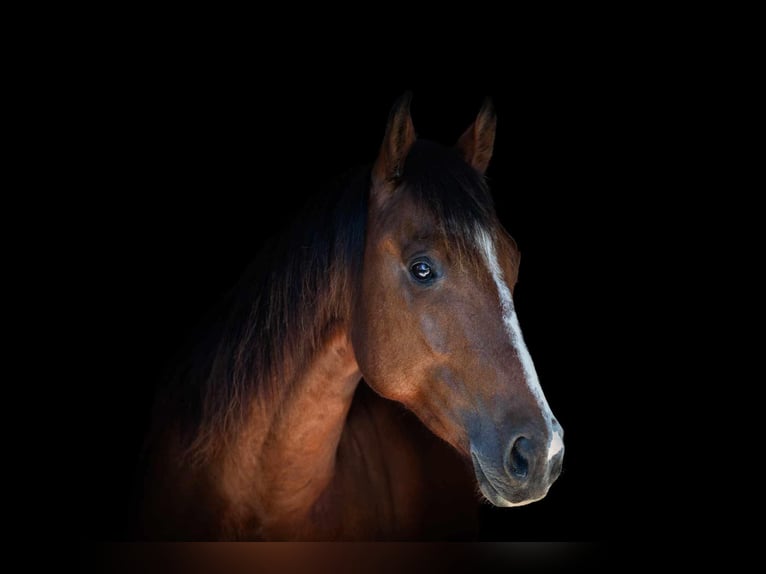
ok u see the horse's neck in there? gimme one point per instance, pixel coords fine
(334, 460)
(285, 458)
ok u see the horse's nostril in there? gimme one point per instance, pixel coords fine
(519, 464)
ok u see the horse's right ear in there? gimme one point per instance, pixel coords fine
(475, 145)
(400, 135)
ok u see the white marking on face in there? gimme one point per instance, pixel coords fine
(487, 246)
(556, 445)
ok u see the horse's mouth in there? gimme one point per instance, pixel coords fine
(491, 493)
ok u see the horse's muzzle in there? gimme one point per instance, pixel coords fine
(523, 471)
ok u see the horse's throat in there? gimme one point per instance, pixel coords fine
(397, 474)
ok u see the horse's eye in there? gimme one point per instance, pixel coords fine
(422, 271)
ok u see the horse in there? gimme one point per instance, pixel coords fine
(367, 378)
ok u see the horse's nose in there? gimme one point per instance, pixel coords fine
(519, 458)
(534, 454)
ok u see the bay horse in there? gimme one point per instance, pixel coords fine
(368, 378)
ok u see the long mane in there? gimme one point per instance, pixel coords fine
(303, 282)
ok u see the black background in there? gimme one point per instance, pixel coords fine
(197, 166)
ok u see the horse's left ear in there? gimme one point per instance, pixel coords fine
(476, 144)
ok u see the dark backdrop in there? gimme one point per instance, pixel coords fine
(197, 168)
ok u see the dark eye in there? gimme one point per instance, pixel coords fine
(422, 271)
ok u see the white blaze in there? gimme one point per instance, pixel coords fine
(556, 445)
(512, 327)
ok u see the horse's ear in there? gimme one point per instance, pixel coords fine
(476, 144)
(400, 135)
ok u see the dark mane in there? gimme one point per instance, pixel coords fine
(302, 283)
